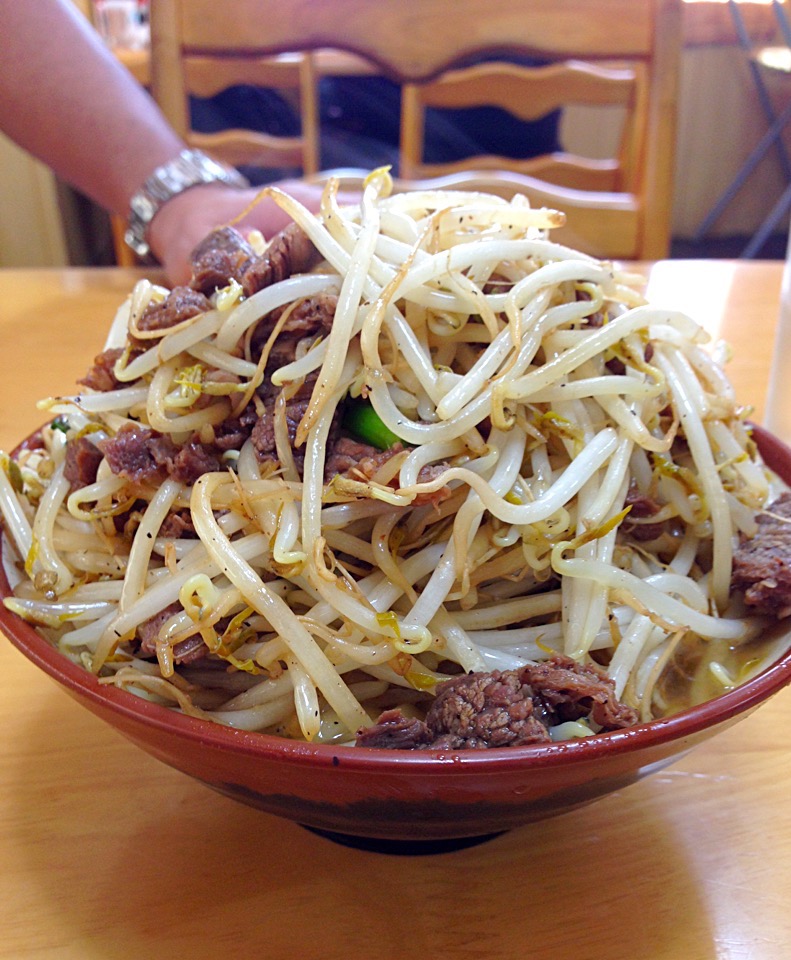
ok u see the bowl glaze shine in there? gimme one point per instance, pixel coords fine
(396, 795)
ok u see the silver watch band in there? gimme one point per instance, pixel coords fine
(188, 169)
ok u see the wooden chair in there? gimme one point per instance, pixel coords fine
(190, 58)
(618, 205)
(529, 93)
(623, 210)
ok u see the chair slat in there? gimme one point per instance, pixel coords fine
(602, 54)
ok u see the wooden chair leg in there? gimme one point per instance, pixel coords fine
(124, 256)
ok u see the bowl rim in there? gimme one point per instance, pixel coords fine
(655, 733)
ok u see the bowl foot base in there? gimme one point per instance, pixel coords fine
(402, 848)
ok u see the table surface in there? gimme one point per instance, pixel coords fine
(106, 853)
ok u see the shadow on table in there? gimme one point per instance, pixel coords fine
(135, 859)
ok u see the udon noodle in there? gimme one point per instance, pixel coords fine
(567, 471)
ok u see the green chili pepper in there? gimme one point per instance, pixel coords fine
(362, 422)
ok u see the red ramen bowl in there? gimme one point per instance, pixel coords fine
(403, 800)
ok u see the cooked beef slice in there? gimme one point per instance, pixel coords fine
(504, 708)
(762, 563)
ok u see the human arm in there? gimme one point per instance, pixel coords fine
(66, 99)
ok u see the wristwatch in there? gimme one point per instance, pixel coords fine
(188, 169)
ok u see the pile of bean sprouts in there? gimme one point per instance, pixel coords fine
(537, 375)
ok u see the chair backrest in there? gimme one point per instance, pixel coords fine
(531, 93)
(628, 46)
(188, 61)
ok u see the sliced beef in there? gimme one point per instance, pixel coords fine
(221, 257)
(482, 710)
(192, 461)
(762, 563)
(225, 255)
(182, 303)
(289, 252)
(505, 708)
(643, 532)
(129, 454)
(570, 690)
(185, 651)
(643, 507)
(184, 463)
(426, 474)
(231, 434)
(148, 630)
(310, 319)
(101, 376)
(263, 435)
(163, 450)
(140, 454)
(189, 650)
(347, 456)
(82, 462)
(343, 455)
(361, 461)
(178, 525)
(616, 365)
(395, 731)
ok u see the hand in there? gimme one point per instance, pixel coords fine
(185, 220)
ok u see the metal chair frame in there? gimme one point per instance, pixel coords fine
(772, 138)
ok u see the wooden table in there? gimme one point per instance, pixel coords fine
(105, 853)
